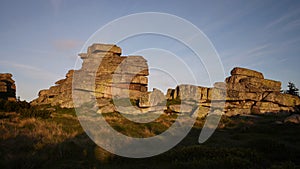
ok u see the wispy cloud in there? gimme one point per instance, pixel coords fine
(252, 56)
(29, 71)
(283, 20)
(294, 24)
(291, 42)
(259, 50)
(228, 19)
(66, 44)
(256, 51)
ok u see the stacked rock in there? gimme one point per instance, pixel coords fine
(116, 76)
(7, 87)
(189, 99)
(58, 95)
(244, 92)
(105, 74)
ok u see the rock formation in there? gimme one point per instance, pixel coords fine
(295, 118)
(112, 78)
(244, 92)
(58, 95)
(113, 75)
(7, 87)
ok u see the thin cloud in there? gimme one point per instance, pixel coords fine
(282, 19)
(291, 42)
(67, 44)
(32, 72)
(228, 19)
(248, 56)
(256, 51)
(292, 25)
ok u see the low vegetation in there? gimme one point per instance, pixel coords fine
(52, 137)
(23, 109)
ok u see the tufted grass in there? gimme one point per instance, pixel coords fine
(60, 142)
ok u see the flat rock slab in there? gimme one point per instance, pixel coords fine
(246, 72)
(181, 108)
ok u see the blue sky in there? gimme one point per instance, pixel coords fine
(40, 40)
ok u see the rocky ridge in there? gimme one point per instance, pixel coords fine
(119, 77)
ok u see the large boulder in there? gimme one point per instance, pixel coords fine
(7, 87)
(181, 108)
(170, 94)
(259, 85)
(265, 107)
(154, 98)
(188, 92)
(251, 84)
(239, 104)
(237, 111)
(128, 110)
(96, 47)
(216, 94)
(233, 95)
(154, 109)
(282, 99)
(246, 72)
(295, 118)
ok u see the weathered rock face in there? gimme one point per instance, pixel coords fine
(58, 95)
(151, 99)
(7, 87)
(244, 92)
(110, 74)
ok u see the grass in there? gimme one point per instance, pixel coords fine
(59, 142)
(139, 130)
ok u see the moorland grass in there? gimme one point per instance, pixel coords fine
(58, 141)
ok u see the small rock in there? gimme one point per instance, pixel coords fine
(295, 118)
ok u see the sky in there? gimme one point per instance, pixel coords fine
(40, 40)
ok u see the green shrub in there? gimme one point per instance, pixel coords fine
(23, 108)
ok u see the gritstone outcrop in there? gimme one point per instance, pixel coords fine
(7, 87)
(117, 77)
